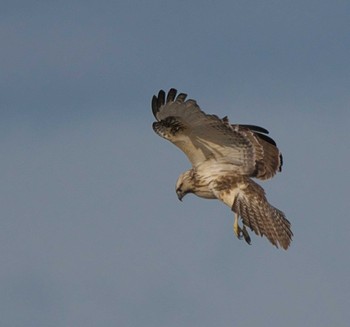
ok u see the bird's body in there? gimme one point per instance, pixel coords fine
(224, 157)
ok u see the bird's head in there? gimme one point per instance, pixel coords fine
(184, 184)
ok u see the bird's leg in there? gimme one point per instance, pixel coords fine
(239, 232)
(236, 229)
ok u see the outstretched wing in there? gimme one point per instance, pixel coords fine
(244, 149)
(247, 199)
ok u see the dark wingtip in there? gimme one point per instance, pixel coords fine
(161, 98)
(158, 101)
(181, 97)
(154, 106)
(256, 128)
(258, 131)
(171, 95)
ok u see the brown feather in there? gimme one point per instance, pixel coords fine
(248, 200)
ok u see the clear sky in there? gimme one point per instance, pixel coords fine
(92, 233)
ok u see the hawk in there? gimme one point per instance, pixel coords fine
(224, 158)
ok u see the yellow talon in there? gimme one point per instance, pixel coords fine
(236, 229)
(239, 232)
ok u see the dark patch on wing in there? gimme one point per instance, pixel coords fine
(171, 124)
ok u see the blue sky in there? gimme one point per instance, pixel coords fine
(92, 233)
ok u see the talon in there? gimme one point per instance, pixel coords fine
(241, 232)
(238, 232)
(236, 229)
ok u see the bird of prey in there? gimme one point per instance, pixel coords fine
(224, 158)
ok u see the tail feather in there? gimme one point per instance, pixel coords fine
(265, 220)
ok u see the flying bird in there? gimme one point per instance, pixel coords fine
(224, 158)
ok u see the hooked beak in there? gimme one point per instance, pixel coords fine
(180, 195)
